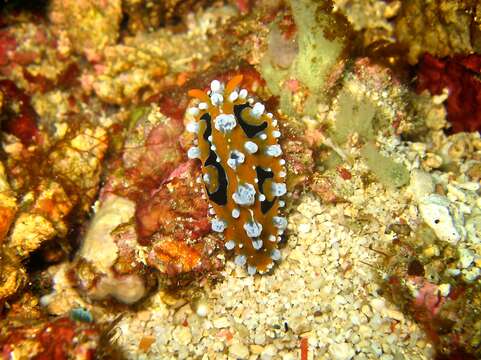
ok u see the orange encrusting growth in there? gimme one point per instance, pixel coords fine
(242, 171)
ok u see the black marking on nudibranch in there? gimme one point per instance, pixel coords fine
(220, 195)
(250, 130)
(263, 175)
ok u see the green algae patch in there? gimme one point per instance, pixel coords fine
(309, 63)
(387, 171)
(355, 116)
(317, 54)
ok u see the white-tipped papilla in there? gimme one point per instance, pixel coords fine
(203, 106)
(193, 127)
(278, 189)
(243, 94)
(253, 229)
(235, 159)
(217, 99)
(276, 134)
(257, 244)
(257, 110)
(274, 150)
(193, 153)
(279, 222)
(230, 245)
(235, 213)
(216, 86)
(263, 136)
(245, 195)
(251, 147)
(276, 255)
(251, 270)
(225, 123)
(240, 260)
(233, 96)
(193, 111)
(218, 225)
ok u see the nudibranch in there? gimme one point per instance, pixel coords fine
(242, 171)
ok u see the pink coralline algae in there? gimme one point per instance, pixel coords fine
(461, 76)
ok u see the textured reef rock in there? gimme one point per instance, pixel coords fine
(61, 338)
(89, 25)
(440, 28)
(148, 15)
(150, 213)
(8, 204)
(137, 69)
(12, 275)
(52, 171)
(33, 57)
(398, 29)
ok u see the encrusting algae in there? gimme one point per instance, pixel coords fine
(242, 170)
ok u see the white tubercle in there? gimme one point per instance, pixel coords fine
(230, 245)
(251, 270)
(218, 225)
(193, 153)
(243, 94)
(257, 244)
(193, 127)
(215, 86)
(233, 96)
(276, 255)
(235, 213)
(253, 229)
(203, 106)
(193, 111)
(225, 123)
(276, 134)
(240, 260)
(258, 110)
(278, 189)
(274, 150)
(251, 147)
(217, 99)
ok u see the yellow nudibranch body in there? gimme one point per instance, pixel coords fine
(242, 170)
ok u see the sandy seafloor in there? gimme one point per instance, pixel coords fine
(322, 290)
